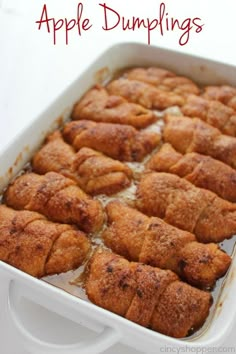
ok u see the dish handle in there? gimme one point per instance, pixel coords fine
(105, 339)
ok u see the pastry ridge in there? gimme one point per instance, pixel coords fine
(149, 296)
(187, 207)
(201, 170)
(154, 242)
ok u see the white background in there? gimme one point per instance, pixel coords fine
(33, 71)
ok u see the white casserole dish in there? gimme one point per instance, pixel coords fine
(110, 327)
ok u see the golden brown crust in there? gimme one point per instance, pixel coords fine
(212, 112)
(149, 288)
(68, 252)
(203, 171)
(225, 94)
(156, 243)
(180, 85)
(144, 94)
(149, 296)
(163, 80)
(121, 142)
(183, 205)
(108, 123)
(56, 197)
(164, 159)
(108, 289)
(193, 135)
(180, 307)
(94, 172)
(99, 174)
(151, 75)
(33, 244)
(55, 155)
(98, 106)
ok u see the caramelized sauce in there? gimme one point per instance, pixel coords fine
(73, 281)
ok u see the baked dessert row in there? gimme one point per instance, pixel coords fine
(37, 246)
(97, 173)
(50, 217)
(149, 296)
(135, 236)
(130, 100)
(165, 195)
(140, 293)
(60, 198)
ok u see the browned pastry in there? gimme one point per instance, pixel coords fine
(99, 174)
(56, 197)
(212, 112)
(183, 205)
(144, 94)
(151, 75)
(149, 296)
(121, 142)
(193, 135)
(164, 80)
(152, 241)
(201, 170)
(225, 94)
(55, 155)
(94, 172)
(37, 246)
(98, 106)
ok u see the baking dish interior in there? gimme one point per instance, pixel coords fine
(17, 154)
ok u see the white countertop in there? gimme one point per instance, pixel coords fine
(33, 71)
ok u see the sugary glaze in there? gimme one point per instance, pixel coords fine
(74, 281)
